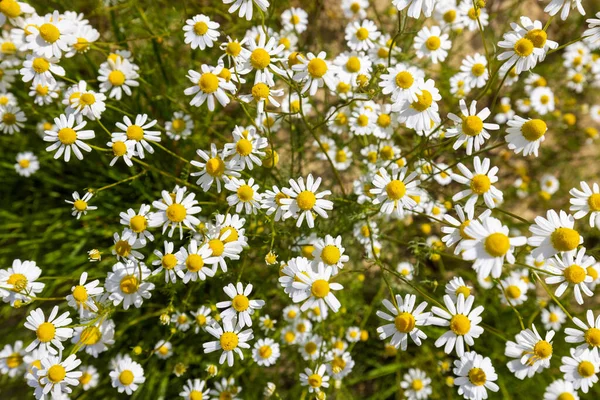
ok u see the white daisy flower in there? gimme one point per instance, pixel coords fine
(214, 169)
(127, 375)
(525, 135)
(361, 36)
(195, 259)
(124, 251)
(85, 35)
(11, 10)
(531, 353)
(181, 320)
(95, 338)
(355, 8)
(51, 333)
(173, 211)
(117, 77)
(581, 369)
(561, 390)
(586, 201)
(263, 59)
(303, 200)
(455, 228)
(571, 268)
(330, 252)
(416, 385)
(136, 225)
(432, 43)
(462, 320)
(18, 282)
(126, 284)
(230, 339)
(553, 318)
(475, 71)
(201, 32)
(405, 320)
(202, 318)
(180, 126)
(480, 184)
(315, 379)
(265, 352)
(423, 113)
(167, 261)
(89, 377)
(542, 100)
(239, 306)
(474, 376)
(86, 102)
(163, 349)
(54, 36)
(513, 291)
(294, 20)
(195, 390)
(271, 201)
(11, 359)
(68, 137)
(311, 348)
(208, 86)
(457, 286)
(80, 204)
(490, 246)
(245, 7)
(588, 336)
(553, 234)
(314, 289)
(82, 295)
(137, 133)
(520, 52)
(54, 377)
(314, 72)
(339, 363)
(247, 147)
(472, 17)
(246, 196)
(470, 128)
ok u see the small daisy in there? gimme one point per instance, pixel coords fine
(51, 333)
(588, 336)
(136, 225)
(542, 100)
(474, 374)
(581, 369)
(195, 390)
(462, 320)
(126, 284)
(531, 353)
(127, 375)
(18, 282)
(490, 246)
(82, 295)
(455, 228)
(475, 71)
(85, 35)
(124, 251)
(180, 126)
(263, 59)
(11, 359)
(176, 210)
(571, 268)
(480, 184)
(394, 190)
(137, 133)
(68, 137)
(245, 7)
(121, 149)
(117, 77)
(315, 379)
(330, 252)
(421, 113)
(553, 318)
(458, 286)
(247, 147)
(406, 269)
(201, 32)
(431, 43)
(314, 289)
(303, 200)
(339, 363)
(405, 321)
(230, 339)
(163, 349)
(80, 204)
(239, 306)
(553, 234)
(513, 291)
(361, 36)
(202, 318)
(52, 37)
(246, 196)
(265, 352)
(54, 377)
(294, 20)
(520, 52)
(27, 164)
(44, 94)
(561, 390)
(195, 259)
(89, 377)
(525, 135)
(470, 128)
(96, 338)
(86, 102)
(208, 86)
(416, 385)
(315, 72)
(586, 201)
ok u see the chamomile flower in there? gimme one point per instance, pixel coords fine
(181, 320)
(457, 286)
(339, 363)
(553, 234)
(138, 133)
(330, 252)
(175, 210)
(571, 269)
(314, 289)
(247, 147)
(581, 369)
(394, 190)
(361, 36)
(52, 37)
(463, 321)
(54, 376)
(405, 320)
(559, 390)
(85, 35)
(474, 376)
(314, 72)
(315, 379)
(246, 196)
(68, 137)
(180, 126)
(588, 335)
(82, 101)
(80, 204)
(553, 318)
(401, 81)
(95, 338)
(311, 347)
(49, 333)
(126, 284)
(245, 7)
(525, 135)
(27, 164)
(265, 352)
(201, 32)
(195, 390)
(163, 349)
(11, 10)
(117, 77)
(82, 295)
(415, 7)
(196, 259)
(423, 113)
(520, 52)
(11, 359)
(263, 59)
(230, 339)
(294, 20)
(136, 225)
(355, 8)
(564, 6)
(239, 306)
(455, 228)
(303, 200)
(44, 94)
(124, 251)
(416, 384)
(480, 184)
(531, 353)
(202, 318)
(475, 71)
(432, 43)
(470, 127)
(406, 269)
(542, 100)
(489, 246)
(513, 291)
(586, 201)
(208, 86)
(127, 375)
(18, 282)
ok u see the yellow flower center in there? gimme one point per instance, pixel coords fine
(67, 136)
(480, 184)
(460, 324)
(544, 99)
(537, 37)
(317, 68)
(81, 45)
(464, 290)
(586, 369)
(123, 248)
(233, 49)
(200, 28)
(40, 65)
(449, 16)
(229, 341)
(245, 193)
(310, 347)
(306, 200)
(404, 79)
(119, 149)
(574, 274)
(404, 322)
(116, 78)
(594, 202)
(56, 373)
(513, 292)
(45, 332)
(315, 380)
(523, 47)
(9, 118)
(49, 33)
(10, 8)
(216, 246)
(417, 384)
(565, 396)
(534, 129)
(424, 101)
(176, 212)
(384, 121)
(395, 190)
(126, 377)
(565, 239)
(201, 319)
(473, 13)
(433, 43)
(353, 64)
(129, 284)
(14, 360)
(243, 147)
(260, 59)
(169, 261)
(362, 33)
(477, 376)
(233, 234)
(87, 99)
(90, 335)
(497, 244)
(542, 349)
(18, 281)
(138, 223)
(194, 263)
(320, 288)
(330, 254)
(80, 205)
(472, 125)
(265, 351)
(80, 294)
(209, 82)
(260, 91)
(592, 337)
(240, 303)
